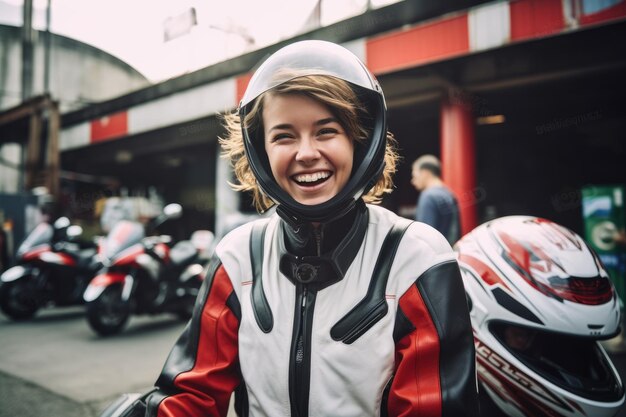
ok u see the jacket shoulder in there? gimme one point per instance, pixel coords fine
(419, 236)
(239, 237)
(233, 250)
(421, 248)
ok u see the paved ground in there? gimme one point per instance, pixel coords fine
(56, 366)
(20, 398)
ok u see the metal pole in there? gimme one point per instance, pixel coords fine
(46, 73)
(27, 50)
(33, 149)
(54, 162)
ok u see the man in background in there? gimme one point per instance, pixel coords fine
(436, 204)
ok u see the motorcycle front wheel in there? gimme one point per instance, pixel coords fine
(108, 313)
(19, 299)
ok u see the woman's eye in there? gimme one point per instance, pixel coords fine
(280, 136)
(327, 131)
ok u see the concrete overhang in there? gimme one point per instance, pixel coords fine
(373, 22)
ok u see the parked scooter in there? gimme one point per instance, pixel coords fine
(143, 275)
(53, 268)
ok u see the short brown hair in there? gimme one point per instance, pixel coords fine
(339, 98)
(430, 163)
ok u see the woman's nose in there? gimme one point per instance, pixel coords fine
(307, 150)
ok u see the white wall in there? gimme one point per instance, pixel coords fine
(79, 74)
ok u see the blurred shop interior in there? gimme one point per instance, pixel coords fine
(549, 120)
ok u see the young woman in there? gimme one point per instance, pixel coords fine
(331, 306)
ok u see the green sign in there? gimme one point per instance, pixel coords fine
(604, 217)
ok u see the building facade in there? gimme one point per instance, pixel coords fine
(521, 99)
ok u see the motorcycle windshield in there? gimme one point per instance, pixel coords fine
(41, 235)
(123, 235)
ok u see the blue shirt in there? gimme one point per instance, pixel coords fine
(438, 208)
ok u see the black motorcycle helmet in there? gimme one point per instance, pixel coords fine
(313, 57)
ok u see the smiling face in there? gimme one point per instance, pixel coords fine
(310, 153)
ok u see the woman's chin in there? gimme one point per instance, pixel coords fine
(313, 201)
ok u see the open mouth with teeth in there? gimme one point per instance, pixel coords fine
(310, 180)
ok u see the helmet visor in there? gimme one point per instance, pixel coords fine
(541, 267)
(576, 364)
(322, 58)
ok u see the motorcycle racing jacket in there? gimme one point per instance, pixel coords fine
(365, 316)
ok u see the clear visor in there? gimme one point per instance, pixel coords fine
(308, 58)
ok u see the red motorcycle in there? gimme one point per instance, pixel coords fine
(53, 267)
(143, 275)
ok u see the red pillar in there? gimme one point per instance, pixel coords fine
(458, 157)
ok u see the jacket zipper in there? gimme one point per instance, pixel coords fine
(300, 375)
(317, 235)
(300, 354)
(300, 343)
(300, 360)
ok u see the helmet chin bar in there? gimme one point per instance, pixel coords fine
(325, 212)
(295, 220)
(296, 214)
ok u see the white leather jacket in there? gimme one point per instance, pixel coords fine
(369, 325)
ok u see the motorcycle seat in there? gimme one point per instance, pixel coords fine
(85, 257)
(183, 253)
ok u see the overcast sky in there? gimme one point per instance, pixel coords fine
(133, 30)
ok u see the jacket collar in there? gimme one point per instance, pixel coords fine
(320, 256)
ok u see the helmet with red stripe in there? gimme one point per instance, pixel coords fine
(540, 300)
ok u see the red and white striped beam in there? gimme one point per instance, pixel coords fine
(484, 27)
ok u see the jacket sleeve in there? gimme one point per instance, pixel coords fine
(435, 370)
(202, 370)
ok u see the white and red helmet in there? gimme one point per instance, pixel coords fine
(540, 300)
